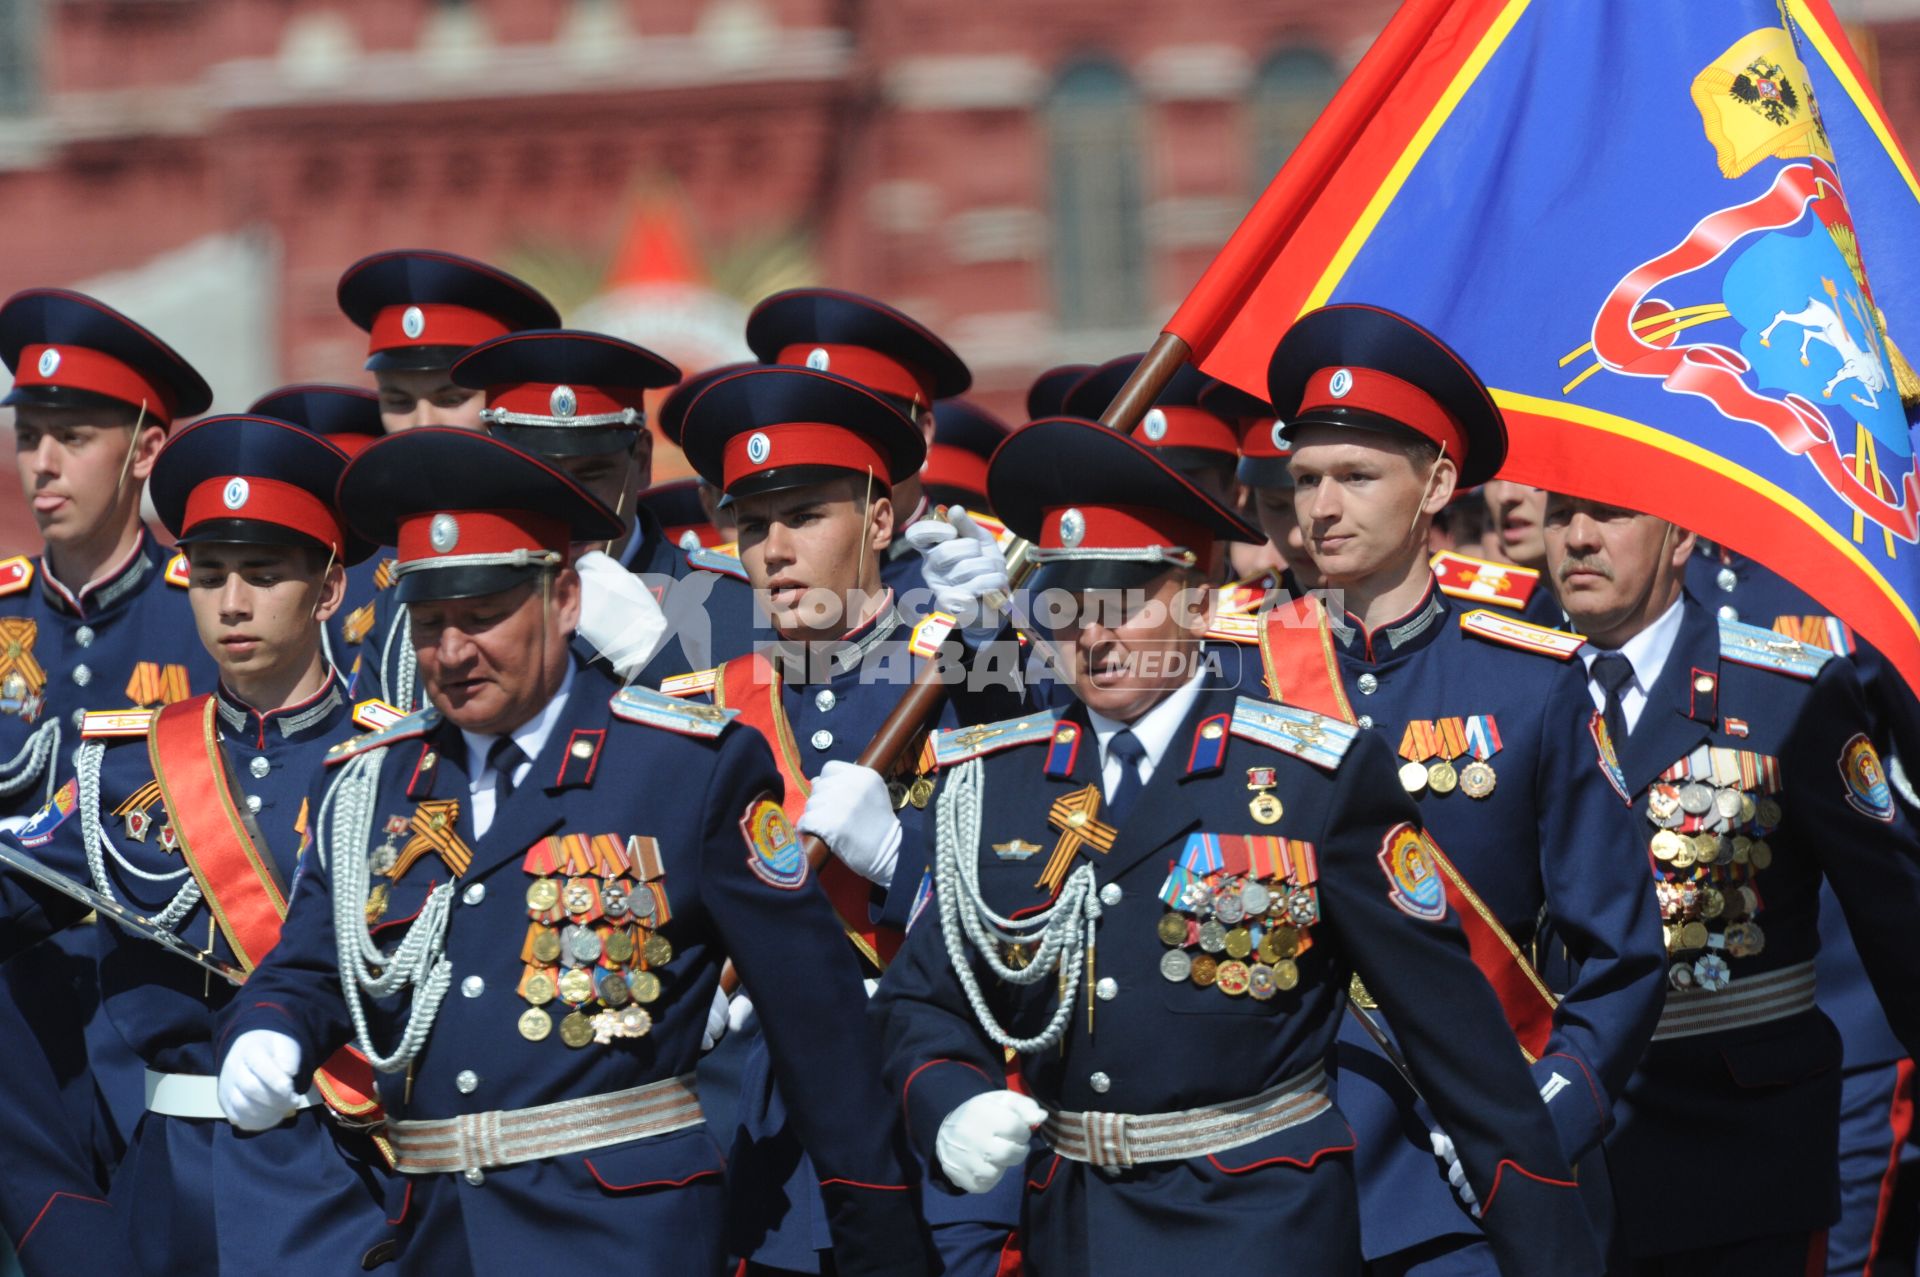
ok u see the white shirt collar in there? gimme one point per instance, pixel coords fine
(1648, 650)
(1155, 728)
(530, 736)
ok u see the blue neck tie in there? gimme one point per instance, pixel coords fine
(1126, 747)
(1612, 672)
(505, 758)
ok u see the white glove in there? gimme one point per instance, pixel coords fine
(963, 566)
(256, 1082)
(618, 614)
(716, 1022)
(1456, 1174)
(849, 811)
(985, 1138)
(740, 1015)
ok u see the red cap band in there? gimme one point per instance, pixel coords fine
(541, 399)
(78, 368)
(954, 467)
(1123, 527)
(1178, 426)
(1261, 437)
(1385, 395)
(456, 534)
(801, 443)
(432, 324)
(859, 363)
(284, 505)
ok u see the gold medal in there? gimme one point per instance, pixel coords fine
(1768, 812)
(1206, 969)
(1477, 779)
(1286, 975)
(1712, 903)
(1413, 777)
(1239, 943)
(658, 950)
(1278, 944)
(1265, 808)
(1667, 844)
(1760, 855)
(1742, 849)
(896, 794)
(1173, 928)
(920, 793)
(1683, 854)
(540, 988)
(1441, 777)
(644, 985)
(1232, 978)
(1693, 935)
(535, 1024)
(576, 986)
(542, 894)
(546, 946)
(576, 1030)
(613, 989)
(619, 947)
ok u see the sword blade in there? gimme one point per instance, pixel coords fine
(113, 911)
(1378, 1033)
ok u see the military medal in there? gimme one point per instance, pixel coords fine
(920, 793)
(535, 1024)
(658, 950)
(1231, 978)
(546, 947)
(1255, 898)
(1239, 943)
(1413, 777)
(1204, 971)
(615, 900)
(1260, 984)
(644, 985)
(1228, 908)
(618, 947)
(1477, 779)
(1441, 777)
(1213, 936)
(542, 894)
(1663, 806)
(1696, 799)
(1760, 855)
(1286, 975)
(896, 794)
(1175, 965)
(614, 990)
(576, 1030)
(576, 986)
(539, 988)
(1173, 929)
(1263, 806)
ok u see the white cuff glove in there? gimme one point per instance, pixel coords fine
(985, 1138)
(256, 1082)
(963, 566)
(740, 1016)
(849, 811)
(716, 1022)
(618, 614)
(1456, 1174)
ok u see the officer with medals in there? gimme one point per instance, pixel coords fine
(1156, 898)
(806, 461)
(98, 619)
(196, 816)
(421, 310)
(517, 903)
(892, 355)
(1495, 736)
(1194, 440)
(576, 399)
(1754, 777)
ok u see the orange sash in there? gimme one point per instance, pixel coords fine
(1302, 669)
(234, 870)
(751, 684)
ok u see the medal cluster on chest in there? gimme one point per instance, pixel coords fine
(1240, 913)
(1712, 813)
(1432, 748)
(597, 904)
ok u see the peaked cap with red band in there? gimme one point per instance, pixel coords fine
(1263, 444)
(253, 480)
(1186, 434)
(467, 513)
(672, 415)
(66, 350)
(345, 416)
(964, 438)
(766, 429)
(562, 393)
(1369, 369)
(421, 309)
(859, 338)
(1087, 497)
(1047, 396)
(675, 506)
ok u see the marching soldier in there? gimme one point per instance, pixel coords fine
(1493, 727)
(195, 816)
(517, 902)
(100, 618)
(1157, 898)
(1753, 778)
(422, 310)
(576, 399)
(1196, 441)
(806, 460)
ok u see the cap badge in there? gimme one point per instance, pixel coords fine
(413, 322)
(236, 494)
(1073, 528)
(49, 362)
(1340, 383)
(1154, 425)
(443, 533)
(817, 359)
(1279, 435)
(563, 401)
(758, 447)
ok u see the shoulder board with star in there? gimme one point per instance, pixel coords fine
(178, 573)
(377, 715)
(723, 558)
(1764, 649)
(697, 683)
(1242, 627)
(1525, 636)
(16, 574)
(1461, 576)
(418, 723)
(957, 744)
(115, 724)
(657, 709)
(929, 634)
(1307, 735)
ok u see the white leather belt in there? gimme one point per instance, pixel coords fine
(195, 1095)
(1118, 1140)
(1756, 999)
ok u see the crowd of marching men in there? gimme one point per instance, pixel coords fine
(1265, 838)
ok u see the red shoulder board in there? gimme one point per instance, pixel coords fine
(1525, 635)
(177, 573)
(16, 574)
(1462, 576)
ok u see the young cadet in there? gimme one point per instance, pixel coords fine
(806, 460)
(1495, 735)
(98, 619)
(1195, 441)
(422, 310)
(576, 399)
(195, 815)
(516, 905)
(1754, 778)
(1158, 898)
(889, 353)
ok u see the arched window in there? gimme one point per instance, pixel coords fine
(1099, 247)
(1288, 96)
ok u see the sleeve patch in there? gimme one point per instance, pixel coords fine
(1868, 791)
(773, 848)
(1413, 884)
(38, 832)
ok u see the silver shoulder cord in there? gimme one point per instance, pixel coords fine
(1064, 931)
(93, 834)
(345, 834)
(36, 755)
(405, 670)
